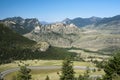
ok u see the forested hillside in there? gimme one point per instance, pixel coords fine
(16, 47)
(9, 38)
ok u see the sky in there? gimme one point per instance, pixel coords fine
(58, 10)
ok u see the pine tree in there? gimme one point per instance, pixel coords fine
(112, 68)
(47, 78)
(24, 73)
(67, 70)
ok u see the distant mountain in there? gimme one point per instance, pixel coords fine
(57, 34)
(44, 22)
(66, 21)
(81, 22)
(109, 25)
(97, 34)
(109, 19)
(21, 25)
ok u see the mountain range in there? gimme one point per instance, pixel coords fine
(81, 22)
(94, 33)
(21, 25)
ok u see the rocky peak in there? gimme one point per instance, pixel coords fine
(37, 29)
(56, 27)
(21, 25)
(41, 46)
(32, 20)
(18, 20)
(66, 21)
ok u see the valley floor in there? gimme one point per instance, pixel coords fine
(42, 73)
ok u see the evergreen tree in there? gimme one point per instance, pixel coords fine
(67, 70)
(24, 73)
(47, 78)
(112, 68)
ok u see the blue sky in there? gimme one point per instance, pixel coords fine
(57, 10)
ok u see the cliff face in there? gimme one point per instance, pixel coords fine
(100, 34)
(20, 25)
(57, 34)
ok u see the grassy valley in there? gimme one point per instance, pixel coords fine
(48, 45)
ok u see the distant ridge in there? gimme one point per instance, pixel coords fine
(21, 25)
(94, 33)
(81, 22)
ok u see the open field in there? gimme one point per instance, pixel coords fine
(42, 63)
(88, 55)
(41, 74)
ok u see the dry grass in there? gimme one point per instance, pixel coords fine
(41, 74)
(86, 55)
(41, 63)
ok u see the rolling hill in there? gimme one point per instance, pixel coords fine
(11, 39)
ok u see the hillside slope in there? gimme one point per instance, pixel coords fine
(58, 34)
(82, 22)
(16, 47)
(9, 38)
(21, 25)
(98, 34)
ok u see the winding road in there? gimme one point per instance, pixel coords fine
(3, 73)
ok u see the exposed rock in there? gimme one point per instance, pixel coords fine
(41, 46)
(58, 34)
(20, 25)
(95, 34)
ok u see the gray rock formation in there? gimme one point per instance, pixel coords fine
(95, 33)
(58, 34)
(20, 25)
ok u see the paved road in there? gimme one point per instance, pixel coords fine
(46, 67)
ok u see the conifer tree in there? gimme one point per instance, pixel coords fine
(67, 70)
(47, 78)
(24, 73)
(112, 68)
